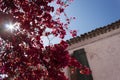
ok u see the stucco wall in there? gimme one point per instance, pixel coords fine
(103, 53)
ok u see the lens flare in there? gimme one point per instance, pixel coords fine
(12, 26)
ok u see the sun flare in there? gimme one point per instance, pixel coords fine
(12, 26)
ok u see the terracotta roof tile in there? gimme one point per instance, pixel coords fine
(94, 33)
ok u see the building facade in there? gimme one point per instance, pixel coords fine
(100, 51)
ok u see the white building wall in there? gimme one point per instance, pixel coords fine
(103, 53)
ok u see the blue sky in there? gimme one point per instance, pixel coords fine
(91, 14)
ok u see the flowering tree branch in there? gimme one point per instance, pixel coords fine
(23, 55)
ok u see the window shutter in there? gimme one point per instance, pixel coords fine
(80, 55)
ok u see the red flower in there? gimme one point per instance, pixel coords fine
(23, 54)
(73, 33)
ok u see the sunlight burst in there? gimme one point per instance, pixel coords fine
(12, 26)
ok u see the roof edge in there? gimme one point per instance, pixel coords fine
(94, 33)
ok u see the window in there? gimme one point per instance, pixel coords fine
(80, 55)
